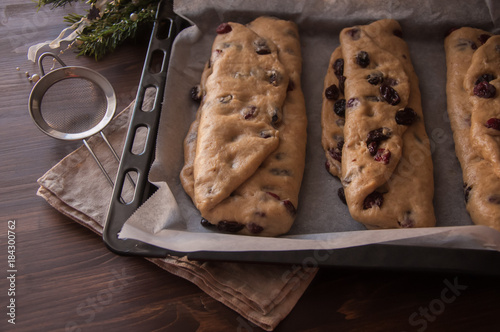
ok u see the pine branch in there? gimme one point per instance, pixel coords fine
(114, 27)
(72, 18)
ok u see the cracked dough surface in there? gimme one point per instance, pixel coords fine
(245, 152)
(467, 57)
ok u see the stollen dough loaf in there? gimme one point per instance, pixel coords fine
(245, 152)
(473, 99)
(384, 158)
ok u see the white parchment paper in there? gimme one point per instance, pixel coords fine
(170, 220)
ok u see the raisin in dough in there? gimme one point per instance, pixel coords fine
(470, 54)
(260, 67)
(386, 166)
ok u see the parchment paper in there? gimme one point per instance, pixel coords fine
(170, 220)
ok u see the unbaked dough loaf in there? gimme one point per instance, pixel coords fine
(245, 152)
(385, 160)
(473, 99)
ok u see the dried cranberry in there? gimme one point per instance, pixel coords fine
(375, 78)
(339, 107)
(389, 94)
(291, 86)
(353, 102)
(483, 38)
(341, 195)
(493, 123)
(196, 94)
(217, 53)
(383, 156)
(338, 67)
(406, 116)
(485, 90)
(205, 223)
(355, 33)
(289, 206)
(363, 59)
(332, 92)
(374, 199)
(336, 154)
(254, 228)
(229, 226)
(379, 134)
(372, 147)
(485, 77)
(273, 195)
(327, 165)
(249, 112)
(376, 136)
(223, 28)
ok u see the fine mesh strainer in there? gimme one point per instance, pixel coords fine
(73, 103)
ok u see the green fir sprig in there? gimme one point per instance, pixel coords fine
(111, 26)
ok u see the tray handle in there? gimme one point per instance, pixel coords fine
(166, 27)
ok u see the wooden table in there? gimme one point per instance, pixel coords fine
(63, 267)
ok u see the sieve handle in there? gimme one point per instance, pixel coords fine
(44, 55)
(167, 26)
(98, 162)
(117, 158)
(101, 166)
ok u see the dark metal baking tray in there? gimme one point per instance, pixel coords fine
(373, 256)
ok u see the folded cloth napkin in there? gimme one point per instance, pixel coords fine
(263, 294)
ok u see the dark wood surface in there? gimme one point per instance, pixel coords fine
(62, 267)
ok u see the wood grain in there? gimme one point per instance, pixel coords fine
(68, 281)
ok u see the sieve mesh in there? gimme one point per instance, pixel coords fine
(73, 105)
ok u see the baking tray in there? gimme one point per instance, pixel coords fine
(373, 256)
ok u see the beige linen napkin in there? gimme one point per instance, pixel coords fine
(263, 294)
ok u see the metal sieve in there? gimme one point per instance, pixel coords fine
(72, 103)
